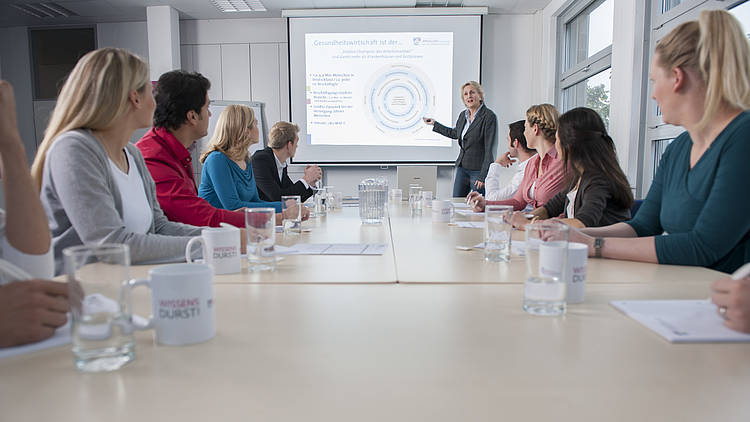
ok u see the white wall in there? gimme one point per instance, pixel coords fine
(219, 49)
(17, 70)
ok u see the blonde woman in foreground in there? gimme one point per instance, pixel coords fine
(697, 211)
(95, 187)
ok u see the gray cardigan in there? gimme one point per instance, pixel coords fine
(84, 206)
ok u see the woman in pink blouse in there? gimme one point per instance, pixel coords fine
(545, 175)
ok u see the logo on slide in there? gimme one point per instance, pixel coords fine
(399, 96)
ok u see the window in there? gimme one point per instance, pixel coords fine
(586, 39)
(667, 5)
(665, 16)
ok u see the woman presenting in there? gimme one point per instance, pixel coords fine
(476, 131)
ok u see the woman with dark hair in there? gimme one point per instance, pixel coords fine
(598, 192)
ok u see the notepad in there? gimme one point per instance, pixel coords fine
(681, 321)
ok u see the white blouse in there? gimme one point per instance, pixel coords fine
(136, 211)
(38, 266)
(571, 203)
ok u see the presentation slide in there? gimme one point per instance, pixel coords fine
(379, 86)
(360, 86)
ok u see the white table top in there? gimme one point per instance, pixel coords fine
(334, 350)
(398, 352)
(426, 253)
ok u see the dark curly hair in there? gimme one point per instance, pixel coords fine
(585, 144)
(178, 92)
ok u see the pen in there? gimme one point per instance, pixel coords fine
(741, 272)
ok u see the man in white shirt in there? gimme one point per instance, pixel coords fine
(30, 310)
(518, 150)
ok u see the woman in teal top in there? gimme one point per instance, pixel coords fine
(697, 211)
(227, 177)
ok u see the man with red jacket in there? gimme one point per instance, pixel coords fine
(181, 118)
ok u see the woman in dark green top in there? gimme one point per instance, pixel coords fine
(697, 211)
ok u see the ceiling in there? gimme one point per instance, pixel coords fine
(93, 11)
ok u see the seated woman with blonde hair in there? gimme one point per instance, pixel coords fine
(598, 193)
(695, 212)
(544, 176)
(95, 187)
(227, 179)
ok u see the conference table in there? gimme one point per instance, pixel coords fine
(422, 332)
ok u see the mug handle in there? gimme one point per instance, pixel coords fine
(453, 213)
(137, 325)
(189, 248)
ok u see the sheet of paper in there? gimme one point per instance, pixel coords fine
(470, 224)
(458, 205)
(681, 321)
(336, 249)
(468, 212)
(61, 337)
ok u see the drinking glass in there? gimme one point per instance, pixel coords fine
(330, 200)
(546, 261)
(497, 232)
(415, 200)
(261, 236)
(319, 199)
(426, 199)
(291, 211)
(396, 196)
(98, 277)
(372, 199)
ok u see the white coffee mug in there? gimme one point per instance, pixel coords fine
(182, 303)
(443, 211)
(221, 249)
(575, 274)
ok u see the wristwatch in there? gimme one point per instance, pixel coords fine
(598, 243)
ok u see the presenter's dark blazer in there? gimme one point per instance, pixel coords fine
(479, 143)
(270, 187)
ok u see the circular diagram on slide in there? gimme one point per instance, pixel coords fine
(399, 96)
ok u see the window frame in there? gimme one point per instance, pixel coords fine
(655, 128)
(593, 65)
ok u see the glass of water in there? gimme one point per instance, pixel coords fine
(497, 232)
(546, 262)
(291, 212)
(426, 199)
(372, 199)
(98, 278)
(260, 229)
(319, 199)
(396, 196)
(415, 200)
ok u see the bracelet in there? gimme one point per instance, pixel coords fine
(598, 244)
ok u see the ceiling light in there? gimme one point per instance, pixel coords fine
(230, 6)
(45, 10)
